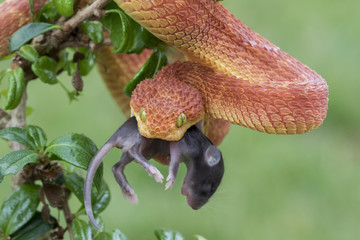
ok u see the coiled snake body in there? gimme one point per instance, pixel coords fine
(230, 73)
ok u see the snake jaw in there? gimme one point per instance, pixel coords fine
(169, 133)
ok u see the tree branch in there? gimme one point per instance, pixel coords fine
(4, 118)
(18, 119)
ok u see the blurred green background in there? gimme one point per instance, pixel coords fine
(275, 187)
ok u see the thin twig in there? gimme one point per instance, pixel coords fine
(68, 217)
(80, 16)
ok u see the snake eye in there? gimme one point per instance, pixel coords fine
(181, 120)
(142, 115)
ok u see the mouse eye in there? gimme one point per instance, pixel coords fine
(181, 120)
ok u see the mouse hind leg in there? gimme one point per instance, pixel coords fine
(118, 171)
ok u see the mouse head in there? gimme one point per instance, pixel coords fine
(203, 177)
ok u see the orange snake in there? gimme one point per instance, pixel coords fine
(236, 74)
(227, 73)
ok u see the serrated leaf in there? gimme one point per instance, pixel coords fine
(103, 236)
(94, 30)
(37, 135)
(118, 235)
(28, 32)
(154, 63)
(18, 208)
(74, 148)
(34, 229)
(81, 230)
(45, 69)
(164, 234)
(29, 53)
(16, 88)
(65, 7)
(48, 12)
(13, 162)
(17, 135)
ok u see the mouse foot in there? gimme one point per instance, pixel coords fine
(129, 193)
(154, 172)
(170, 180)
(149, 168)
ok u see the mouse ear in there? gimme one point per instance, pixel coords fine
(212, 156)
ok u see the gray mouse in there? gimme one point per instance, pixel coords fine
(204, 162)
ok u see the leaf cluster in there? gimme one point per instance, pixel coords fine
(49, 160)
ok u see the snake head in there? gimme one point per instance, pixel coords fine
(166, 108)
(203, 177)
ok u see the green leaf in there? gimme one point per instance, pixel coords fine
(81, 230)
(3, 73)
(118, 235)
(99, 221)
(18, 208)
(138, 43)
(28, 32)
(34, 229)
(154, 63)
(13, 162)
(94, 30)
(7, 57)
(65, 7)
(31, 4)
(29, 53)
(75, 184)
(87, 64)
(37, 135)
(48, 12)
(74, 148)
(17, 135)
(164, 234)
(103, 236)
(16, 88)
(149, 39)
(120, 28)
(100, 199)
(45, 69)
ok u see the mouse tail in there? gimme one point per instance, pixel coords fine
(93, 166)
